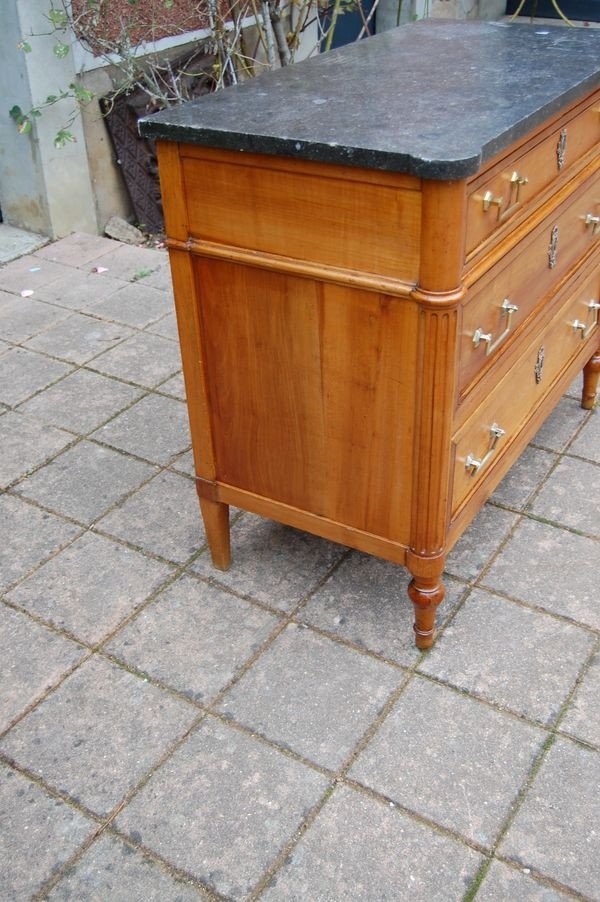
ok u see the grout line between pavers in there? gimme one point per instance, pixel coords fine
(116, 810)
(49, 690)
(290, 618)
(518, 801)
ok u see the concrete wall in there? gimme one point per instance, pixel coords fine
(397, 12)
(42, 188)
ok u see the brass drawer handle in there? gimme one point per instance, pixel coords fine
(585, 329)
(479, 335)
(517, 179)
(474, 464)
(594, 222)
(489, 200)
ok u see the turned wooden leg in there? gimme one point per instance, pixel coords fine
(591, 374)
(425, 594)
(216, 523)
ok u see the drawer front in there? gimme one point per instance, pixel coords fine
(505, 298)
(519, 179)
(489, 432)
(353, 219)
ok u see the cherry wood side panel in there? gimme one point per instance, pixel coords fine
(370, 225)
(311, 390)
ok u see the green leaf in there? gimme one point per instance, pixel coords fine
(25, 46)
(169, 4)
(82, 95)
(58, 18)
(60, 50)
(35, 112)
(16, 113)
(63, 136)
(51, 98)
(24, 125)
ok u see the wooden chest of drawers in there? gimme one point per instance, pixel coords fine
(368, 348)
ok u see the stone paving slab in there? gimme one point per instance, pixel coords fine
(39, 834)
(23, 373)
(311, 695)
(167, 327)
(33, 659)
(144, 359)
(22, 318)
(524, 477)
(134, 674)
(163, 517)
(81, 402)
(450, 758)
(193, 638)
(113, 870)
(503, 882)
(556, 830)
(518, 658)
(476, 546)
(557, 431)
(137, 304)
(552, 568)
(363, 849)
(26, 443)
(570, 496)
(29, 536)
(78, 250)
(14, 243)
(29, 273)
(587, 443)
(98, 734)
(154, 428)
(79, 290)
(583, 717)
(243, 802)
(79, 338)
(90, 588)
(85, 481)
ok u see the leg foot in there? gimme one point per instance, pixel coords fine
(425, 595)
(216, 523)
(591, 374)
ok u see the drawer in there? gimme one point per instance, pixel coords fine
(339, 216)
(522, 176)
(504, 299)
(489, 432)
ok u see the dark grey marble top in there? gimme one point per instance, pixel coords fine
(434, 98)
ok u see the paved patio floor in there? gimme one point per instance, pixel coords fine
(169, 732)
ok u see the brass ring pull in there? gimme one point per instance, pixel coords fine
(594, 222)
(479, 335)
(585, 328)
(474, 464)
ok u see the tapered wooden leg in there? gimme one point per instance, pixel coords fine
(215, 515)
(591, 374)
(425, 594)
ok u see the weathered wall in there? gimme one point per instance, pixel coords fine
(42, 188)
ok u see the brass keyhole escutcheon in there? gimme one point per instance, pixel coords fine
(539, 365)
(561, 148)
(553, 247)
